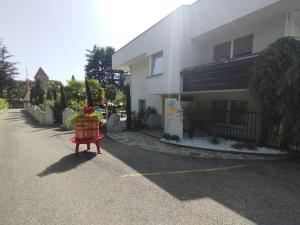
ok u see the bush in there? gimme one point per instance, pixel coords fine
(76, 106)
(166, 136)
(197, 117)
(151, 110)
(215, 140)
(248, 145)
(175, 137)
(3, 104)
(58, 111)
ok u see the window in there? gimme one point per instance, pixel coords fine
(239, 47)
(157, 64)
(222, 51)
(243, 46)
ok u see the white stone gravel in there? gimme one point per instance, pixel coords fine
(224, 145)
(146, 142)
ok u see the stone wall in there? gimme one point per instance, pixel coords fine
(44, 118)
(67, 114)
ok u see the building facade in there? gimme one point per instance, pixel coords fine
(201, 53)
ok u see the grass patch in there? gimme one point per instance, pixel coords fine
(3, 104)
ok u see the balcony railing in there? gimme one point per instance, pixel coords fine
(225, 75)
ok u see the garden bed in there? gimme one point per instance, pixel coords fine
(223, 145)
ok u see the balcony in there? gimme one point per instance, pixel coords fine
(226, 75)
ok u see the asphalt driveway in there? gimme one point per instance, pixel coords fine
(43, 182)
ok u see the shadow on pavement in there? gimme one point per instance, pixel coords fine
(256, 192)
(68, 162)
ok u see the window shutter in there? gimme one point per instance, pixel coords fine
(222, 51)
(243, 46)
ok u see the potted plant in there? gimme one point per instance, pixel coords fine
(86, 123)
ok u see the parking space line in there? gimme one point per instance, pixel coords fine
(185, 171)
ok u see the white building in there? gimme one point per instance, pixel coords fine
(202, 52)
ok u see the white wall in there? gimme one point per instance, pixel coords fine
(211, 14)
(295, 26)
(265, 33)
(187, 37)
(166, 36)
(139, 87)
(42, 117)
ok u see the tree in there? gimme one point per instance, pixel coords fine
(275, 83)
(111, 92)
(110, 95)
(63, 99)
(37, 93)
(128, 106)
(88, 94)
(95, 89)
(8, 69)
(99, 66)
(75, 90)
(54, 87)
(48, 94)
(120, 98)
(15, 89)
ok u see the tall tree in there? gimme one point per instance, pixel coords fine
(99, 66)
(275, 82)
(48, 94)
(95, 89)
(128, 106)
(63, 100)
(8, 69)
(37, 93)
(89, 97)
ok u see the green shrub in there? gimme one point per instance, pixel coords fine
(248, 145)
(58, 109)
(166, 136)
(77, 106)
(175, 137)
(215, 140)
(3, 104)
(197, 118)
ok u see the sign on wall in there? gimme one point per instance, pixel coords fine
(173, 117)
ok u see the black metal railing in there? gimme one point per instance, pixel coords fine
(137, 120)
(240, 126)
(271, 137)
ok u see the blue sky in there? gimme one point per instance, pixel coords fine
(55, 34)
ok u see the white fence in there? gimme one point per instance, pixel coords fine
(43, 117)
